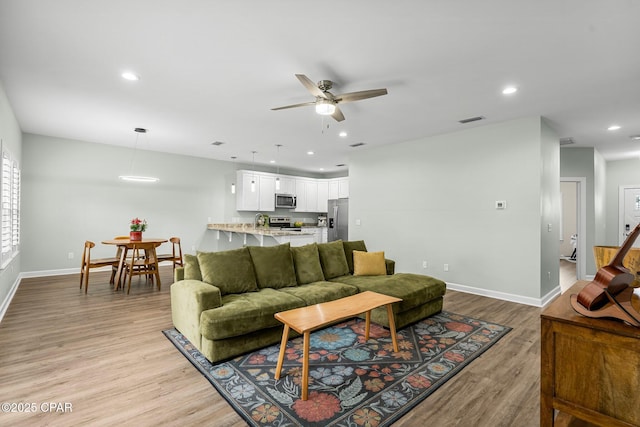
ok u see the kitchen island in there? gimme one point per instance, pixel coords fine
(261, 236)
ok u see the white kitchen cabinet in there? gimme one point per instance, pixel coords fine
(339, 188)
(323, 196)
(319, 234)
(287, 185)
(307, 194)
(262, 198)
(246, 200)
(267, 193)
(343, 188)
(333, 189)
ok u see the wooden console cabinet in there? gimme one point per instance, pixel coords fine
(590, 368)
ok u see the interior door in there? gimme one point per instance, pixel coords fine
(631, 213)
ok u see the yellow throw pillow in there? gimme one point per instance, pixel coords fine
(369, 264)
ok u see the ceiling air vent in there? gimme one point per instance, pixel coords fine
(217, 143)
(340, 165)
(357, 144)
(471, 119)
(567, 141)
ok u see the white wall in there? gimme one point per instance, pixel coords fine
(433, 199)
(71, 193)
(11, 137)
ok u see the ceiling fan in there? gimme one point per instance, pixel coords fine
(327, 103)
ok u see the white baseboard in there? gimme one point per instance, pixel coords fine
(536, 302)
(5, 304)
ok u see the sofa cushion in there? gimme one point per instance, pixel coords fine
(230, 271)
(319, 292)
(242, 314)
(306, 261)
(333, 259)
(369, 264)
(273, 266)
(413, 289)
(349, 247)
(191, 267)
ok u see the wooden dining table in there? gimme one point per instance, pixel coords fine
(125, 245)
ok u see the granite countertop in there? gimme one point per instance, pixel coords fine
(250, 229)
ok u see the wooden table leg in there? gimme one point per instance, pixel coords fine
(392, 328)
(367, 325)
(123, 259)
(283, 346)
(305, 367)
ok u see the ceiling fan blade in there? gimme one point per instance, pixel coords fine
(304, 104)
(337, 115)
(311, 86)
(357, 96)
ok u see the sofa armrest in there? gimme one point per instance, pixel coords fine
(178, 274)
(189, 298)
(390, 265)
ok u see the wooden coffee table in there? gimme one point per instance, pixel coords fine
(306, 319)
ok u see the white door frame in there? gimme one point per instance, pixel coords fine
(621, 191)
(581, 251)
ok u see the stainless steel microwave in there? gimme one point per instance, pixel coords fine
(287, 201)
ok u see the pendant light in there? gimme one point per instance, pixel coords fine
(131, 176)
(253, 177)
(278, 167)
(233, 184)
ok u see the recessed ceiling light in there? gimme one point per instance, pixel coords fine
(311, 153)
(613, 127)
(321, 169)
(272, 161)
(343, 134)
(509, 90)
(128, 75)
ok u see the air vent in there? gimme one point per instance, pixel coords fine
(567, 141)
(357, 144)
(471, 119)
(635, 137)
(340, 165)
(216, 143)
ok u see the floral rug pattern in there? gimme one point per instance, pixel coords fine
(352, 382)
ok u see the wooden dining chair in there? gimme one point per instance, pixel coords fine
(143, 262)
(88, 264)
(176, 253)
(114, 269)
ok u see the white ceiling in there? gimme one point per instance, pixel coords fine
(212, 70)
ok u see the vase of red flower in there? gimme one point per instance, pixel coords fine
(137, 227)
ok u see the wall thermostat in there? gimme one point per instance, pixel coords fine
(501, 204)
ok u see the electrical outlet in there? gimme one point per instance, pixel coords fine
(424, 264)
(70, 255)
(446, 267)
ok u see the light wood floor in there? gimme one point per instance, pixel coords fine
(104, 353)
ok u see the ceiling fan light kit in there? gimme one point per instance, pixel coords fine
(326, 103)
(325, 107)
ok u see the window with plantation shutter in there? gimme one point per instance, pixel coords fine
(9, 208)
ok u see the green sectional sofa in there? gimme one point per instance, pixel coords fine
(224, 302)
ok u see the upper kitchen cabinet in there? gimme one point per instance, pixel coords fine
(339, 188)
(255, 191)
(287, 185)
(323, 196)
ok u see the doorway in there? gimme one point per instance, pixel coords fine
(572, 247)
(629, 200)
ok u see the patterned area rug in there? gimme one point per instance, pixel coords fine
(352, 382)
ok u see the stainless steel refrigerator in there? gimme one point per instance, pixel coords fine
(338, 220)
